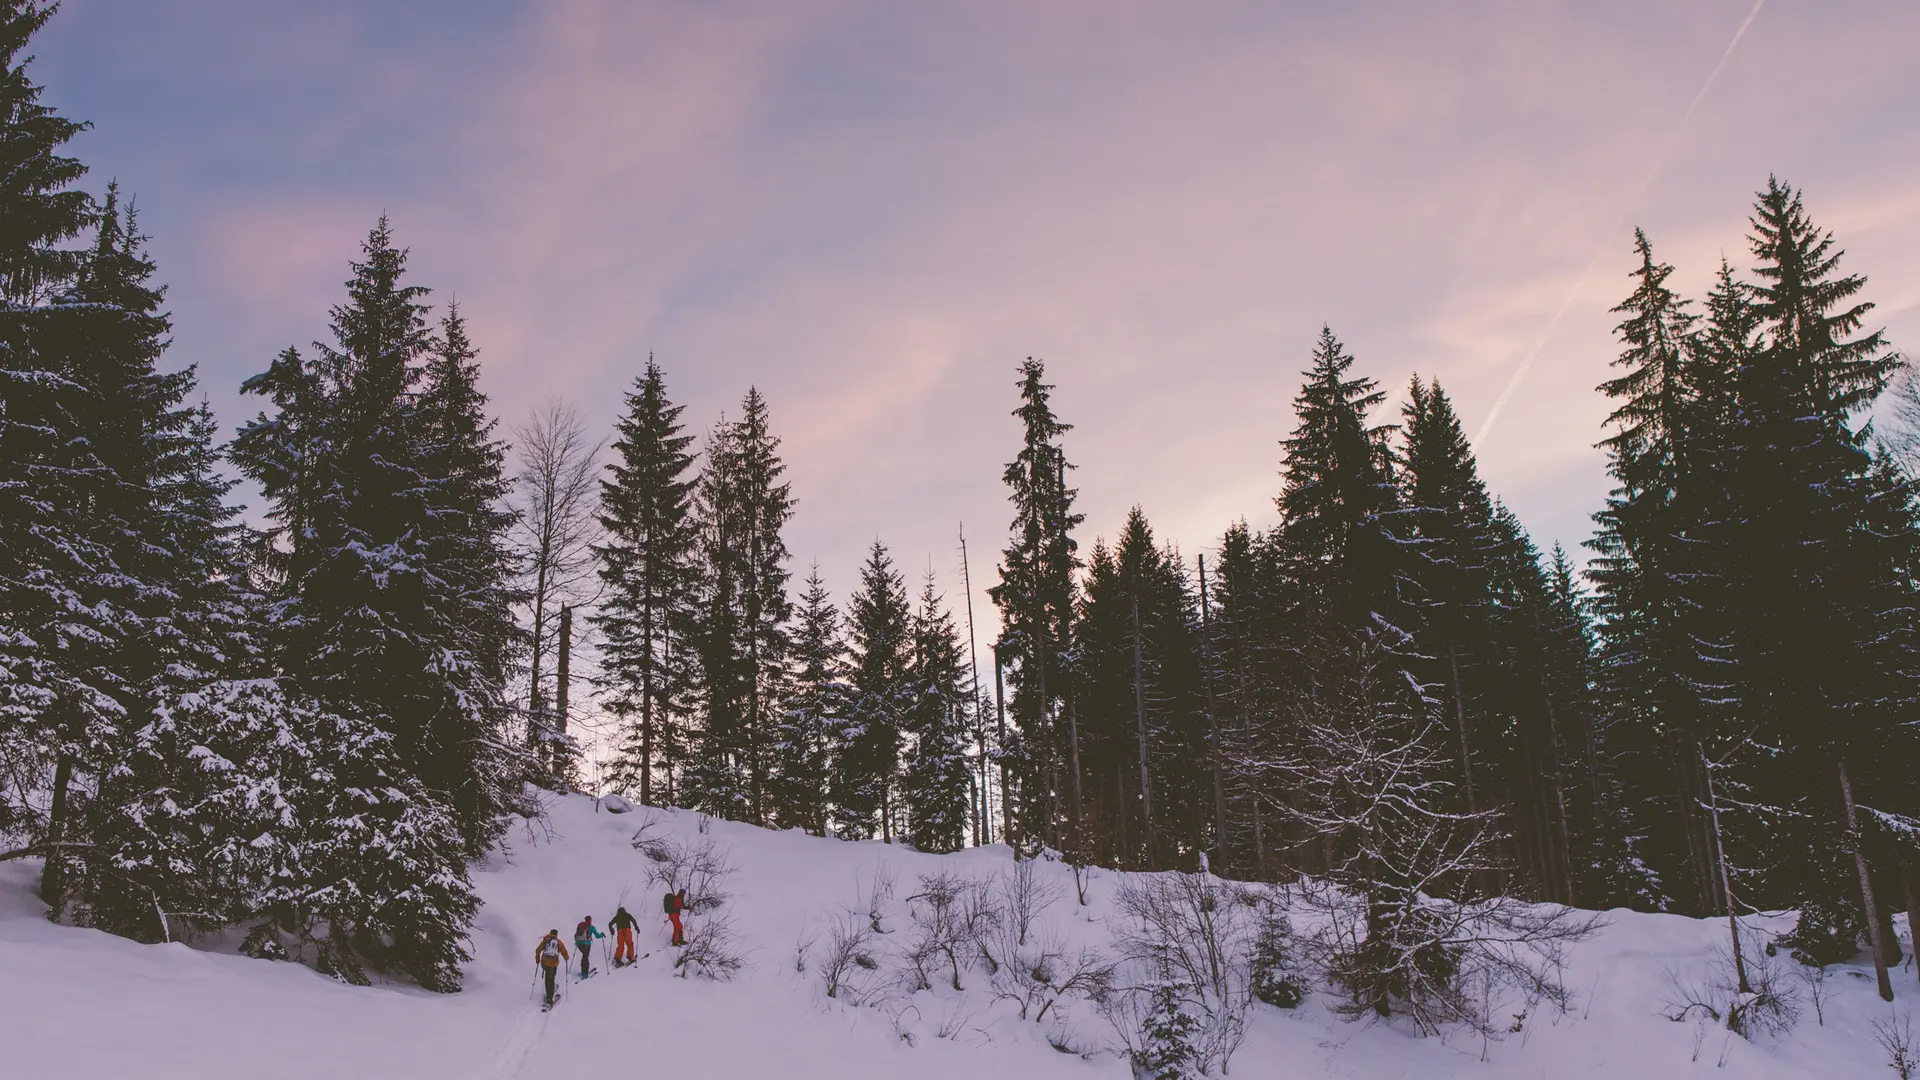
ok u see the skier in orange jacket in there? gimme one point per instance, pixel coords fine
(550, 954)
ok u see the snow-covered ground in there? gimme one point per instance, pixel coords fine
(78, 1003)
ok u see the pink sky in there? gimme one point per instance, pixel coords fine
(874, 211)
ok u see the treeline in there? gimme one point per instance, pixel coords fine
(309, 729)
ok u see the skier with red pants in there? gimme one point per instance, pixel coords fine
(675, 903)
(623, 925)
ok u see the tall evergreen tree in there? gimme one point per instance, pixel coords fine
(1035, 597)
(933, 788)
(463, 467)
(740, 634)
(647, 565)
(879, 673)
(814, 710)
(1818, 619)
(48, 701)
(362, 498)
(1450, 523)
(1338, 492)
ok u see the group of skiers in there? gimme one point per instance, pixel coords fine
(552, 952)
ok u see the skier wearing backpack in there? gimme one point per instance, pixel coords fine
(675, 903)
(550, 954)
(623, 925)
(583, 936)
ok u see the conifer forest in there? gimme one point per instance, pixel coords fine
(304, 723)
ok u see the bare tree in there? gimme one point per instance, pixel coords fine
(557, 528)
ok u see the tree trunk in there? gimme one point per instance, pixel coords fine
(1214, 749)
(1460, 725)
(1140, 723)
(53, 880)
(1553, 748)
(563, 678)
(1000, 712)
(1907, 886)
(1871, 909)
(1726, 878)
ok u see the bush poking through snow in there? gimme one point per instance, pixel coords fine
(1769, 1005)
(1196, 933)
(1026, 896)
(712, 951)
(699, 866)
(952, 916)
(1895, 1036)
(847, 954)
(1039, 974)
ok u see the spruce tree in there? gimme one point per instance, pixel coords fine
(933, 787)
(463, 468)
(1819, 634)
(1449, 520)
(647, 565)
(740, 620)
(1035, 596)
(47, 698)
(362, 491)
(812, 715)
(1337, 495)
(879, 673)
(163, 596)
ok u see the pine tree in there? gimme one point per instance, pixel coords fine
(1817, 642)
(1647, 556)
(464, 470)
(647, 565)
(814, 710)
(47, 700)
(1337, 494)
(1450, 524)
(1143, 702)
(933, 788)
(362, 496)
(740, 635)
(162, 592)
(1035, 597)
(879, 672)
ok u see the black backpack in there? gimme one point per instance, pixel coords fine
(669, 905)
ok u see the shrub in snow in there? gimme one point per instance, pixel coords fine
(1165, 1045)
(614, 804)
(1198, 932)
(1273, 976)
(1895, 1036)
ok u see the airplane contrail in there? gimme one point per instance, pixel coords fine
(1606, 240)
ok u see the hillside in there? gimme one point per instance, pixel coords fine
(81, 1003)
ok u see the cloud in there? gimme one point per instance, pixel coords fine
(875, 211)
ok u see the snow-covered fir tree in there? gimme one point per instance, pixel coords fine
(647, 564)
(812, 715)
(739, 622)
(373, 635)
(1035, 596)
(868, 741)
(933, 785)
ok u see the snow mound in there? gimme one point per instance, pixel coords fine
(82, 1003)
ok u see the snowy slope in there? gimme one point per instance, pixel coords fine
(78, 1003)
